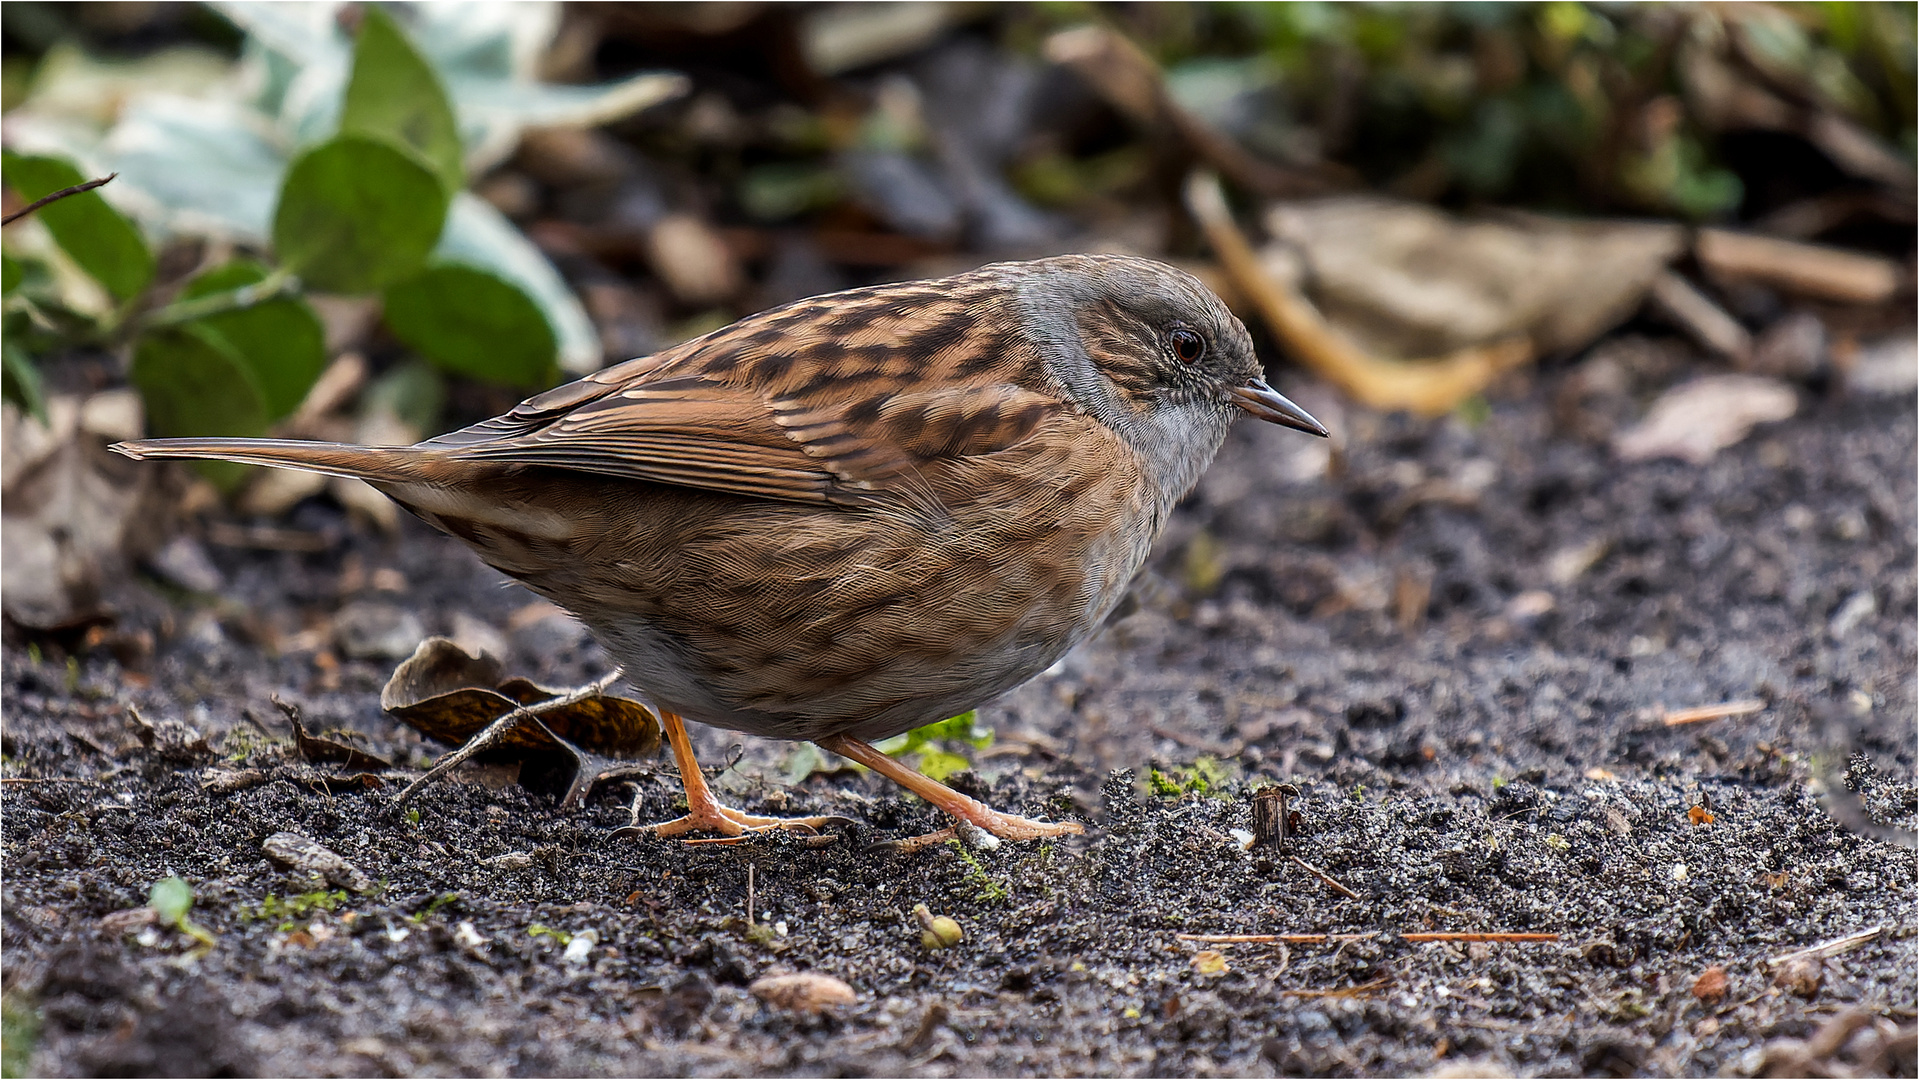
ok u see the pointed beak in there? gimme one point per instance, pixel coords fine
(1271, 406)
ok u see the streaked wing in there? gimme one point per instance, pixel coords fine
(837, 400)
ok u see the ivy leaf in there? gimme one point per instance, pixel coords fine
(357, 214)
(104, 244)
(395, 95)
(281, 340)
(473, 322)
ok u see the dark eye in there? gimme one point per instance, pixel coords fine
(1187, 345)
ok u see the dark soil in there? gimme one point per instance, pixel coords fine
(1457, 641)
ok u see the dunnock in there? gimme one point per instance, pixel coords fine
(852, 515)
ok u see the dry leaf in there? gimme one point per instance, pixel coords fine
(1711, 984)
(1405, 280)
(446, 693)
(74, 511)
(1210, 962)
(1695, 420)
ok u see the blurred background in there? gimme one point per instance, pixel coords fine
(1418, 209)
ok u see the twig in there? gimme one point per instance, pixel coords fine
(1699, 714)
(1431, 387)
(1325, 877)
(1697, 315)
(1122, 73)
(1351, 991)
(54, 198)
(1848, 277)
(1265, 939)
(44, 780)
(1465, 936)
(1828, 948)
(749, 895)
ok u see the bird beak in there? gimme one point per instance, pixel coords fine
(1271, 406)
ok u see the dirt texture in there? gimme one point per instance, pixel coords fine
(1459, 641)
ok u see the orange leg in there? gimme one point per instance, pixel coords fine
(703, 811)
(971, 811)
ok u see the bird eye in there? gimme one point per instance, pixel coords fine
(1187, 345)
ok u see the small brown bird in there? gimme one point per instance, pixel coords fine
(852, 515)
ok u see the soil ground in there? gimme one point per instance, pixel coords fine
(1457, 640)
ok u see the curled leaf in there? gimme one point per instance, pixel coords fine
(446, 693)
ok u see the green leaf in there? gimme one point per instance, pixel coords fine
(395, 95)
(477, 235)
(172, 898)
(195, 383)
(473, 322)
(104, 244)
(11, 274)
(20, 381)
(357, 214)
(281, 341)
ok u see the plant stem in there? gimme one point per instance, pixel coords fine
(280, 282)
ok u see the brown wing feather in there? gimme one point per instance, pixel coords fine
(838, 400)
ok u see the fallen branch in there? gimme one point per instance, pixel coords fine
(54, 198)
(1699, 714)
(1431, 387)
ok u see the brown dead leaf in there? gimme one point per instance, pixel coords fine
(1403, 279)
(1711, 984)
(316, 749)
(1695, 420)
(73, 512)
(446, 693)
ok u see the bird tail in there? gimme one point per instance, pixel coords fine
(380, 464)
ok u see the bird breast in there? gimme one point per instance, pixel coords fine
(797, 621)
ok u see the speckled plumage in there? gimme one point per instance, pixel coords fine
(854, 514)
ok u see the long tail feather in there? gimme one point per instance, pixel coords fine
(390, 464)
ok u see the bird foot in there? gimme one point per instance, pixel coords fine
(730, 822)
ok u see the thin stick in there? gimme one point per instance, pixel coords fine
(44, 780)
(749, 894)
(1478, 937)
(1699, 714)
(54, 198)
(1828, 948)
(1257, 939)
(1325, 877)
(1350, 991)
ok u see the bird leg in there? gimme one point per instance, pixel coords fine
(971, 811)
(703, 811)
